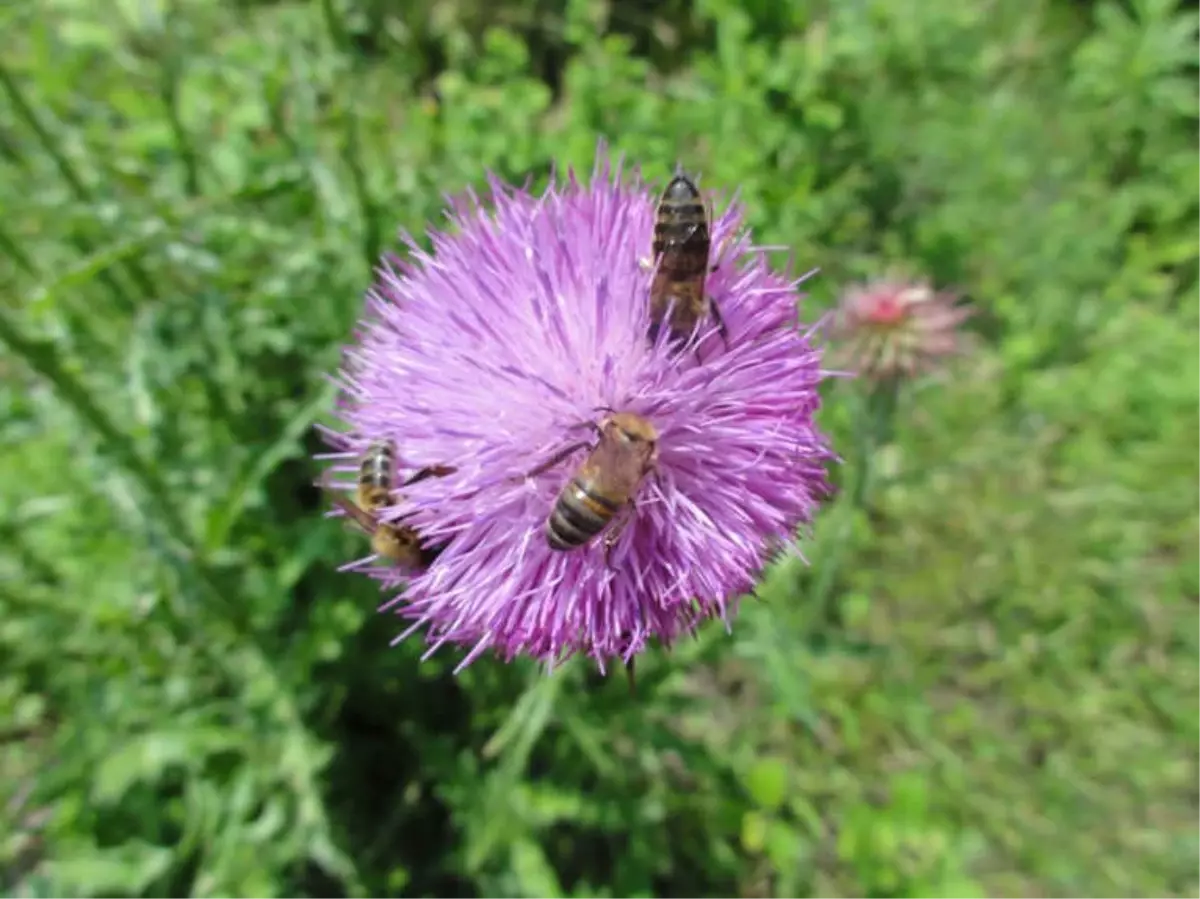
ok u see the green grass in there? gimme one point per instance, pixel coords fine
(984, 683)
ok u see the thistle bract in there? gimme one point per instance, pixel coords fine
(528, 318)
(891, 328)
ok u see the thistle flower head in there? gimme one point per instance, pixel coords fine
(891, 328)
(490, 354)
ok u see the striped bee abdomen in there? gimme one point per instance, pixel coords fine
(578, 516)
(682, 243)
(375, 476)
(681, 233)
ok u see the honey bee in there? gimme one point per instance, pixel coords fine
(682, 243)
(398, 543)
(626, 450)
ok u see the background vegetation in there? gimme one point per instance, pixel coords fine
(985, 683)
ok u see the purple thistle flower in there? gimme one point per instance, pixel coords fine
(489, 352)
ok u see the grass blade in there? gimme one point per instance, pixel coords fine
(372, 239)
(82, 192)
(26, 112)
(12, 249)
(168, 88)
(92, 265)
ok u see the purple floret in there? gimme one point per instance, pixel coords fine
(487, 354)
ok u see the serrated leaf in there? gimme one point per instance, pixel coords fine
(527, 719)
(147, 756)
(128, 869)
(535, 875)
(333, 861)
(267, 825)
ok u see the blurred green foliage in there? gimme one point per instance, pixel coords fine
(996, 693)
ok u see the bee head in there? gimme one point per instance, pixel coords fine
(630, 428)
(681, 189)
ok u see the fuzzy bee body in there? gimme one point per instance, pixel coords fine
(398, 543)
(605, 484)
(376, 473)
(681, 248)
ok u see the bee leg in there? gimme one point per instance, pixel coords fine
(429, 554)
(708, 211)
(552, 461)
(587, 424)
(365, 521)
(432, 471)
(629, 674)
(608, 547)
(716, 314)
(614, 533)
(656, 473)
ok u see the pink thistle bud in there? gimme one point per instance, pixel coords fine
(895, 329)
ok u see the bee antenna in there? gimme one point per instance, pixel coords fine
(604, 409)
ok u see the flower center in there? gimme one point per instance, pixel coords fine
(886, 310)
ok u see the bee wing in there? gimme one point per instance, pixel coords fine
(363, 519)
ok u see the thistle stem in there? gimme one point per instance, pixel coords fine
(873, 427)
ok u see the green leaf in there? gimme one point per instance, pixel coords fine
(767, 782)
(145, 758)
(783, 845)
(535, 875)
(754, 831)
(126, 870)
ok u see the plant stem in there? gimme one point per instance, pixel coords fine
(333, 23)
(873, 428)
(169, 92)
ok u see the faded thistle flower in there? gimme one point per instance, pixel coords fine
(528, 319)
(893, 329)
